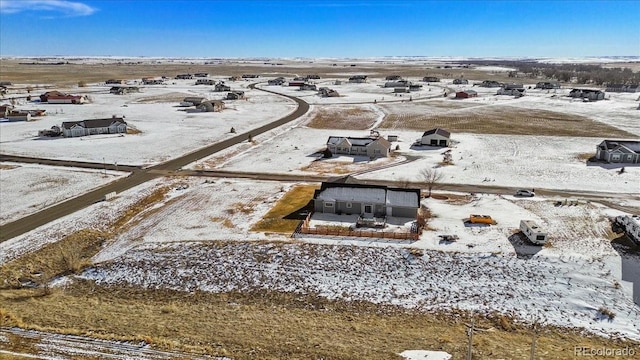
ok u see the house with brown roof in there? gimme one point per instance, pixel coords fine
(113, 125)
(235, 95)
(465, 94)
(211, 106)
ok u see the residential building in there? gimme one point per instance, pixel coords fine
(113, 125)
(367, 201)
(430, 79)
(184, 76)
(371, 147)
(619, 151)
(436, 137)
(460, 81)
(547, 85)
(357, 79)
(211, 106)
(587, 94)
(205, 82)
(466, 94)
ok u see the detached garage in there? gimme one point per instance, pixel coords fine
(436, 137)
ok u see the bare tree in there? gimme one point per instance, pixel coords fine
(431, 178)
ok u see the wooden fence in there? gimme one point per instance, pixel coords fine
(306, 229)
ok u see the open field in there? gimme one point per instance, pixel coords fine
(342, 117)
(272, 325)
(506, 120)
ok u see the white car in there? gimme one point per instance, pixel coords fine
(524, 192)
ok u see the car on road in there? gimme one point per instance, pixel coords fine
(525, 193)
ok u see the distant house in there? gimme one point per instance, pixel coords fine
(297, 83)
(277, 81)
(5, 109)
(490, 84)
(326, 92)
(221, 87)
(313, 77)
(357, 79)
(19, 115)
(547, 85)
(436, 137)
(460, 81)
(415, 87)
(113, 125)
(400, 90)
(65, 99)
(234, 78)
(194, 100)
(211, 106)
(250, 76)
(619, 151)
(512, 89)
(398, 83)
(45, 97)
(37, 112)
(150, 81)
(430, 79)
(122, 90)
(201, 75)
(632, 88)
(235, 95)
(366, 200)
(371, 147)
(587, 94)
(184, 76)
(466, 94)
(308, 87)
(205, 82)
(393, 77)
(5, 83)
(300, 78)
(114, 82)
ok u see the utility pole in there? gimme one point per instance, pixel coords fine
(104, 165)
(535, 339)
(470, 336)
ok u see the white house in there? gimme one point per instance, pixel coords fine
(367, 146)
(113, 125)
(436, 137)
(619, 151)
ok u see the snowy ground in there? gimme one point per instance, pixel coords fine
(28, 188)
(500, 160)
(425, 355)
(564, 291)
(166, 131)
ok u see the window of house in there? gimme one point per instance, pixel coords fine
(328, 204)
(349, 205)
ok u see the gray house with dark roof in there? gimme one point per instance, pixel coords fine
(365, 146)
(619, 151)
(366, 200)
(113, 125)
(436, 137)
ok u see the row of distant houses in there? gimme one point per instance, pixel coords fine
(10, 113)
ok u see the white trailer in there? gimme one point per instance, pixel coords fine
(631, 226)
(533, 232)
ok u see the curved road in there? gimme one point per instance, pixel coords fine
(137, 177)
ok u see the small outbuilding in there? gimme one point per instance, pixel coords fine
(436, 137)
(533, 232)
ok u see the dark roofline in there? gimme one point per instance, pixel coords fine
(327, 185)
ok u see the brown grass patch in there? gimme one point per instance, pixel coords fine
(226, 222)
(585, 156)
(355, 118)
(164, 98)
(67, 256)
(8, 167)
(132, 130)
(506, 120)
(270, 325)
(292, 201)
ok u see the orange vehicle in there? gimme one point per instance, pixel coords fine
(481, 219)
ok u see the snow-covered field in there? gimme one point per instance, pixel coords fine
(564, 291)
(166, 131)
(27, 188)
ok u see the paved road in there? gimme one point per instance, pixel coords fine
(68, 163)
(137, 177)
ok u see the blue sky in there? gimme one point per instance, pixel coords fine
(319, 28)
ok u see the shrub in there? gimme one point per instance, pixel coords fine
(605, 311)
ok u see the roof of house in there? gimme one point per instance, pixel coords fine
(437, 131)
(358, 141)
(93, 123)
(333, 191)
(471, 92)
(629, 144)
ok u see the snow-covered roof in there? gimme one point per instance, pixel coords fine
(438, 131)
(370, 195)
(403, 198)
(629, 144)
